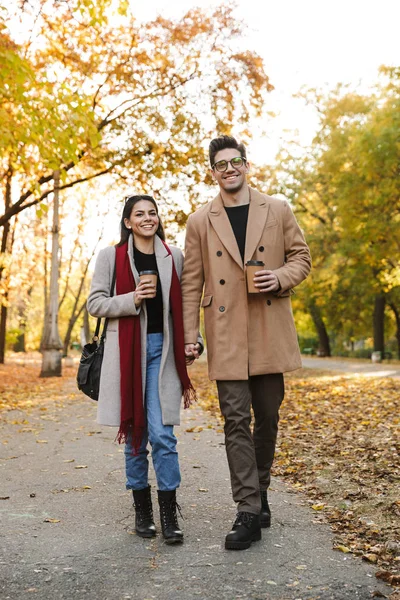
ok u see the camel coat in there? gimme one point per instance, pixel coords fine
(246, 334)
(100, 304)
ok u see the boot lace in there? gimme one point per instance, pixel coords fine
(169, 516)
(144, 510)
(243, 518)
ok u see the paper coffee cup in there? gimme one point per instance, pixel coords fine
(252, 266)
(150, 276)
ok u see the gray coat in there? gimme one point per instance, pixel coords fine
(100, 304)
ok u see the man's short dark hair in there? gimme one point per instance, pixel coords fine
(221, 143)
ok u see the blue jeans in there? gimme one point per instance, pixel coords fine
(161, 437)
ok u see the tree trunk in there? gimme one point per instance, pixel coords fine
(3, 323)
(52, 344)
(3, 250)
(397, 317)
(19, 345)
(45, 292)
(324, 348)
(71, 324)
(379, 323)
(75, 311)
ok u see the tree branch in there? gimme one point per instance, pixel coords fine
(16, 208)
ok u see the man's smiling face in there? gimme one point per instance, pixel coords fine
(234, 177)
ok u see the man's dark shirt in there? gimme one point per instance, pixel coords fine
(238, 216)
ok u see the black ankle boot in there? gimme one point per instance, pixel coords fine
(144, 523)
(169, 518)
(265, 515)
(245, 530)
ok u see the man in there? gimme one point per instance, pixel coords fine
(251, 338)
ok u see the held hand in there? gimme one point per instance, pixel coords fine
(144, 290)
(191, 353)
(266, 281)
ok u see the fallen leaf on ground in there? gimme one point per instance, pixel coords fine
(337, 442)
(392, 578)
(370, 557)
(342, 548)
(51, 521)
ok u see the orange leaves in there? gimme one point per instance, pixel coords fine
(21, 388)
(337, 442)
(388, 577)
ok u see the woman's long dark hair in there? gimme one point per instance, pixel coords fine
(126, 213)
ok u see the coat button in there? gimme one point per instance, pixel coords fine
(219, 253)
(222, 309)
(269, 302)
(222, 281)
(261, 249)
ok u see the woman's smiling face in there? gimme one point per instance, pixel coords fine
(143, 220)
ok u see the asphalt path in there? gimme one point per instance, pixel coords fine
(361, 367)
(67, 522)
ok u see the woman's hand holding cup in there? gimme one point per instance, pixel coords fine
(145, 289)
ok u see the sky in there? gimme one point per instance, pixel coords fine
(312, 43)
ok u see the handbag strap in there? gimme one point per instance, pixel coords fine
(96, 333)
(98, 324)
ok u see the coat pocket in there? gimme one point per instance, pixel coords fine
(206, 301)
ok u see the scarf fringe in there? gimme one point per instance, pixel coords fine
(125, 433)
(189, 396)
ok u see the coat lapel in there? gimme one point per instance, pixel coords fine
(223, 228)
(164, 265)
(258, 213)
(132, 260)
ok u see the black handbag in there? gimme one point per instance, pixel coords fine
(89, 370)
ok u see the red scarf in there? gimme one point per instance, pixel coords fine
(133, 420)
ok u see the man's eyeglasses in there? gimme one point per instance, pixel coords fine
(235, 163)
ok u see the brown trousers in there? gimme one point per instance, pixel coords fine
(250, 456)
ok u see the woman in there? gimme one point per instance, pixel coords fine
(143, 372)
